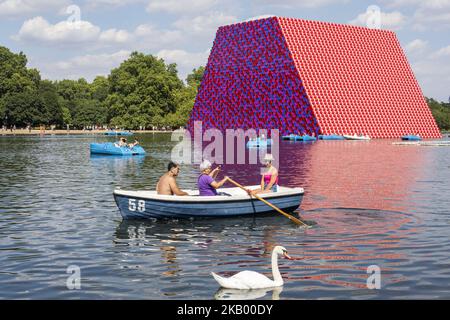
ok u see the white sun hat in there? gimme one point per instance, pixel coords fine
(268, 157)
(205, 165)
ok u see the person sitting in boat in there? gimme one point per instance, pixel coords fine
(207, 184)
(167, 184)
(269, 180)
(122, 143)
(131, 145)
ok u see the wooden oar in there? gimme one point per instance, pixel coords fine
(297, 221)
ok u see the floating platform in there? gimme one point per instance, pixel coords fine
(445, 143)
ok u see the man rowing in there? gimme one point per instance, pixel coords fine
(207, 184)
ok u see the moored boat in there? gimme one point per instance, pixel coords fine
(331, 137)
(289, 137)
(259, 143)
(411, 137)
(356, 137)
(305, 138)
(294, 137)
(236, 202)
(118, 133)
(110, 148)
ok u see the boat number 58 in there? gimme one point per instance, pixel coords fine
(139, 205)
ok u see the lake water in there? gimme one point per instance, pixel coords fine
(373, 203)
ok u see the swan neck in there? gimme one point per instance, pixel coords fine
(276, 273)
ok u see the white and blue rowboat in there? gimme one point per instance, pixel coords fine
(148, 204)
(110, 148)
(356, 137)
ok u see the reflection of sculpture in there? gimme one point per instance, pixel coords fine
(235, 294)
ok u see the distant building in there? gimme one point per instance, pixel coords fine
(311, 77)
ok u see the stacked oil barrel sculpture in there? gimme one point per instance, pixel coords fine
(311, 77)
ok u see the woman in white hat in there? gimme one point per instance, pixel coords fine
(269, 179)
(206, 181)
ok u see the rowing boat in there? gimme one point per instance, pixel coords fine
(230, 202)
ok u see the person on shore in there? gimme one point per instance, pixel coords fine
(269, 179)
(167, 184)
(207, 184)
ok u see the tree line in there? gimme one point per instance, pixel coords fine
(441, 113)
(143, 92)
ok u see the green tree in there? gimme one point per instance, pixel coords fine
(17, 82)
(50, 112)
(143, 89)
(89, 112)
(441, 113)
(185, 98)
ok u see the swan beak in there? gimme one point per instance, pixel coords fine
(287, 256)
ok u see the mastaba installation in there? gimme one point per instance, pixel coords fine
(311, 77)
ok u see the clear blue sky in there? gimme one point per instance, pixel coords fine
(183, 31)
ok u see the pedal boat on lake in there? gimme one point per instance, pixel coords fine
(110, 148)
(118, 133)
(148, 204)
(331, 137)
(294, 137)
(411, 137)
(259, 143)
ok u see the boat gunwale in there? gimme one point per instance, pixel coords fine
(206, 199)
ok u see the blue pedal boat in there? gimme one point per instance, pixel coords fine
(289, 137)
(331, 137)
(305, 138)
(411, 137)
(110, 148)
(118, 133)
(259, 143)
(148, 204)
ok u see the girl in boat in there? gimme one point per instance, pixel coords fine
(269, 179)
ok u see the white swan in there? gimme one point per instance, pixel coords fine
(253, 280)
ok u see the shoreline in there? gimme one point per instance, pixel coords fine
(37, 132)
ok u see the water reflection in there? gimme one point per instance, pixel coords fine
(235, 294)
(374, 203)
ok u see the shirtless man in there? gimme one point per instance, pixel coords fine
(167, 184)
